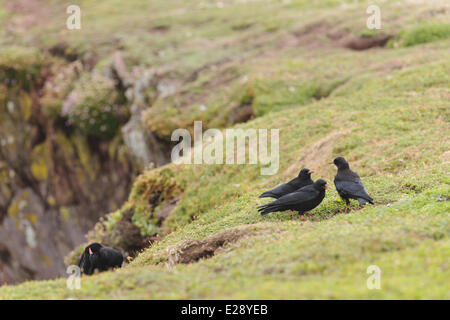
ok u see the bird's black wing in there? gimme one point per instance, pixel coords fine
(289, 200)
(301, 183)
(94, 263)
(297, 197)
(110, 257)
(353, 188)
(278, 191)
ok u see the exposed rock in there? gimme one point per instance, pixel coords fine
(141, 142)
(34, 240)
(120, 70)
(54, 184)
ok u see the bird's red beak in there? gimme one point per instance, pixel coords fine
(310, 172)
(326, 187)
(90, 252)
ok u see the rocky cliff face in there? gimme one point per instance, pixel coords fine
(65, 160)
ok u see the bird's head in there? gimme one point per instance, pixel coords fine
(94, 248)
(305, 173)
(320, 185)
(341, 163)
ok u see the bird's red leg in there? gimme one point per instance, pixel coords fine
(346, 208)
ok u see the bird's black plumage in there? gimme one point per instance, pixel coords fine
(307, 198)
(303, 179)
(349, 185)
(99, 257)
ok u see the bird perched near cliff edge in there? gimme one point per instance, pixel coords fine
(349, 185)
(303, 179)
(307, 198)
(99, 257)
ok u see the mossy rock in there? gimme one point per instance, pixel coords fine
(59, 87)
(93, 107)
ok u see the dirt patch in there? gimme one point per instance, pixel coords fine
(365, 43)
(318, 156)
(308, 37)
(324, 35)
(160, 29)
(127, 236)
(192, 250)
(337, 34)
(241, 114)
(28, 14)
(62, 50)
(168, 208)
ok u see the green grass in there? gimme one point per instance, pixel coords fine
(295, 259)
(385, 110)
(425, 33)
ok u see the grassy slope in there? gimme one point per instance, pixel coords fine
(389, 116)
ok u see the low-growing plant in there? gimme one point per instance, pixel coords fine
(425, 33)
(93, 106)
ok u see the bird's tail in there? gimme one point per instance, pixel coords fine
(266, 194)
(363, 201)
(268, 208)
(263, 209)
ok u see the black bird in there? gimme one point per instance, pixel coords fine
(307, 198)
(303, 179)
(349, 185)
(97, 256)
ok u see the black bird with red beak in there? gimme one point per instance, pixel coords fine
(303, 200)
(349, 185)
(303, 179)
(99, 257)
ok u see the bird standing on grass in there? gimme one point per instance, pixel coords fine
(303, 179)
(349, 185)
(99, 257)
(303, 200)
